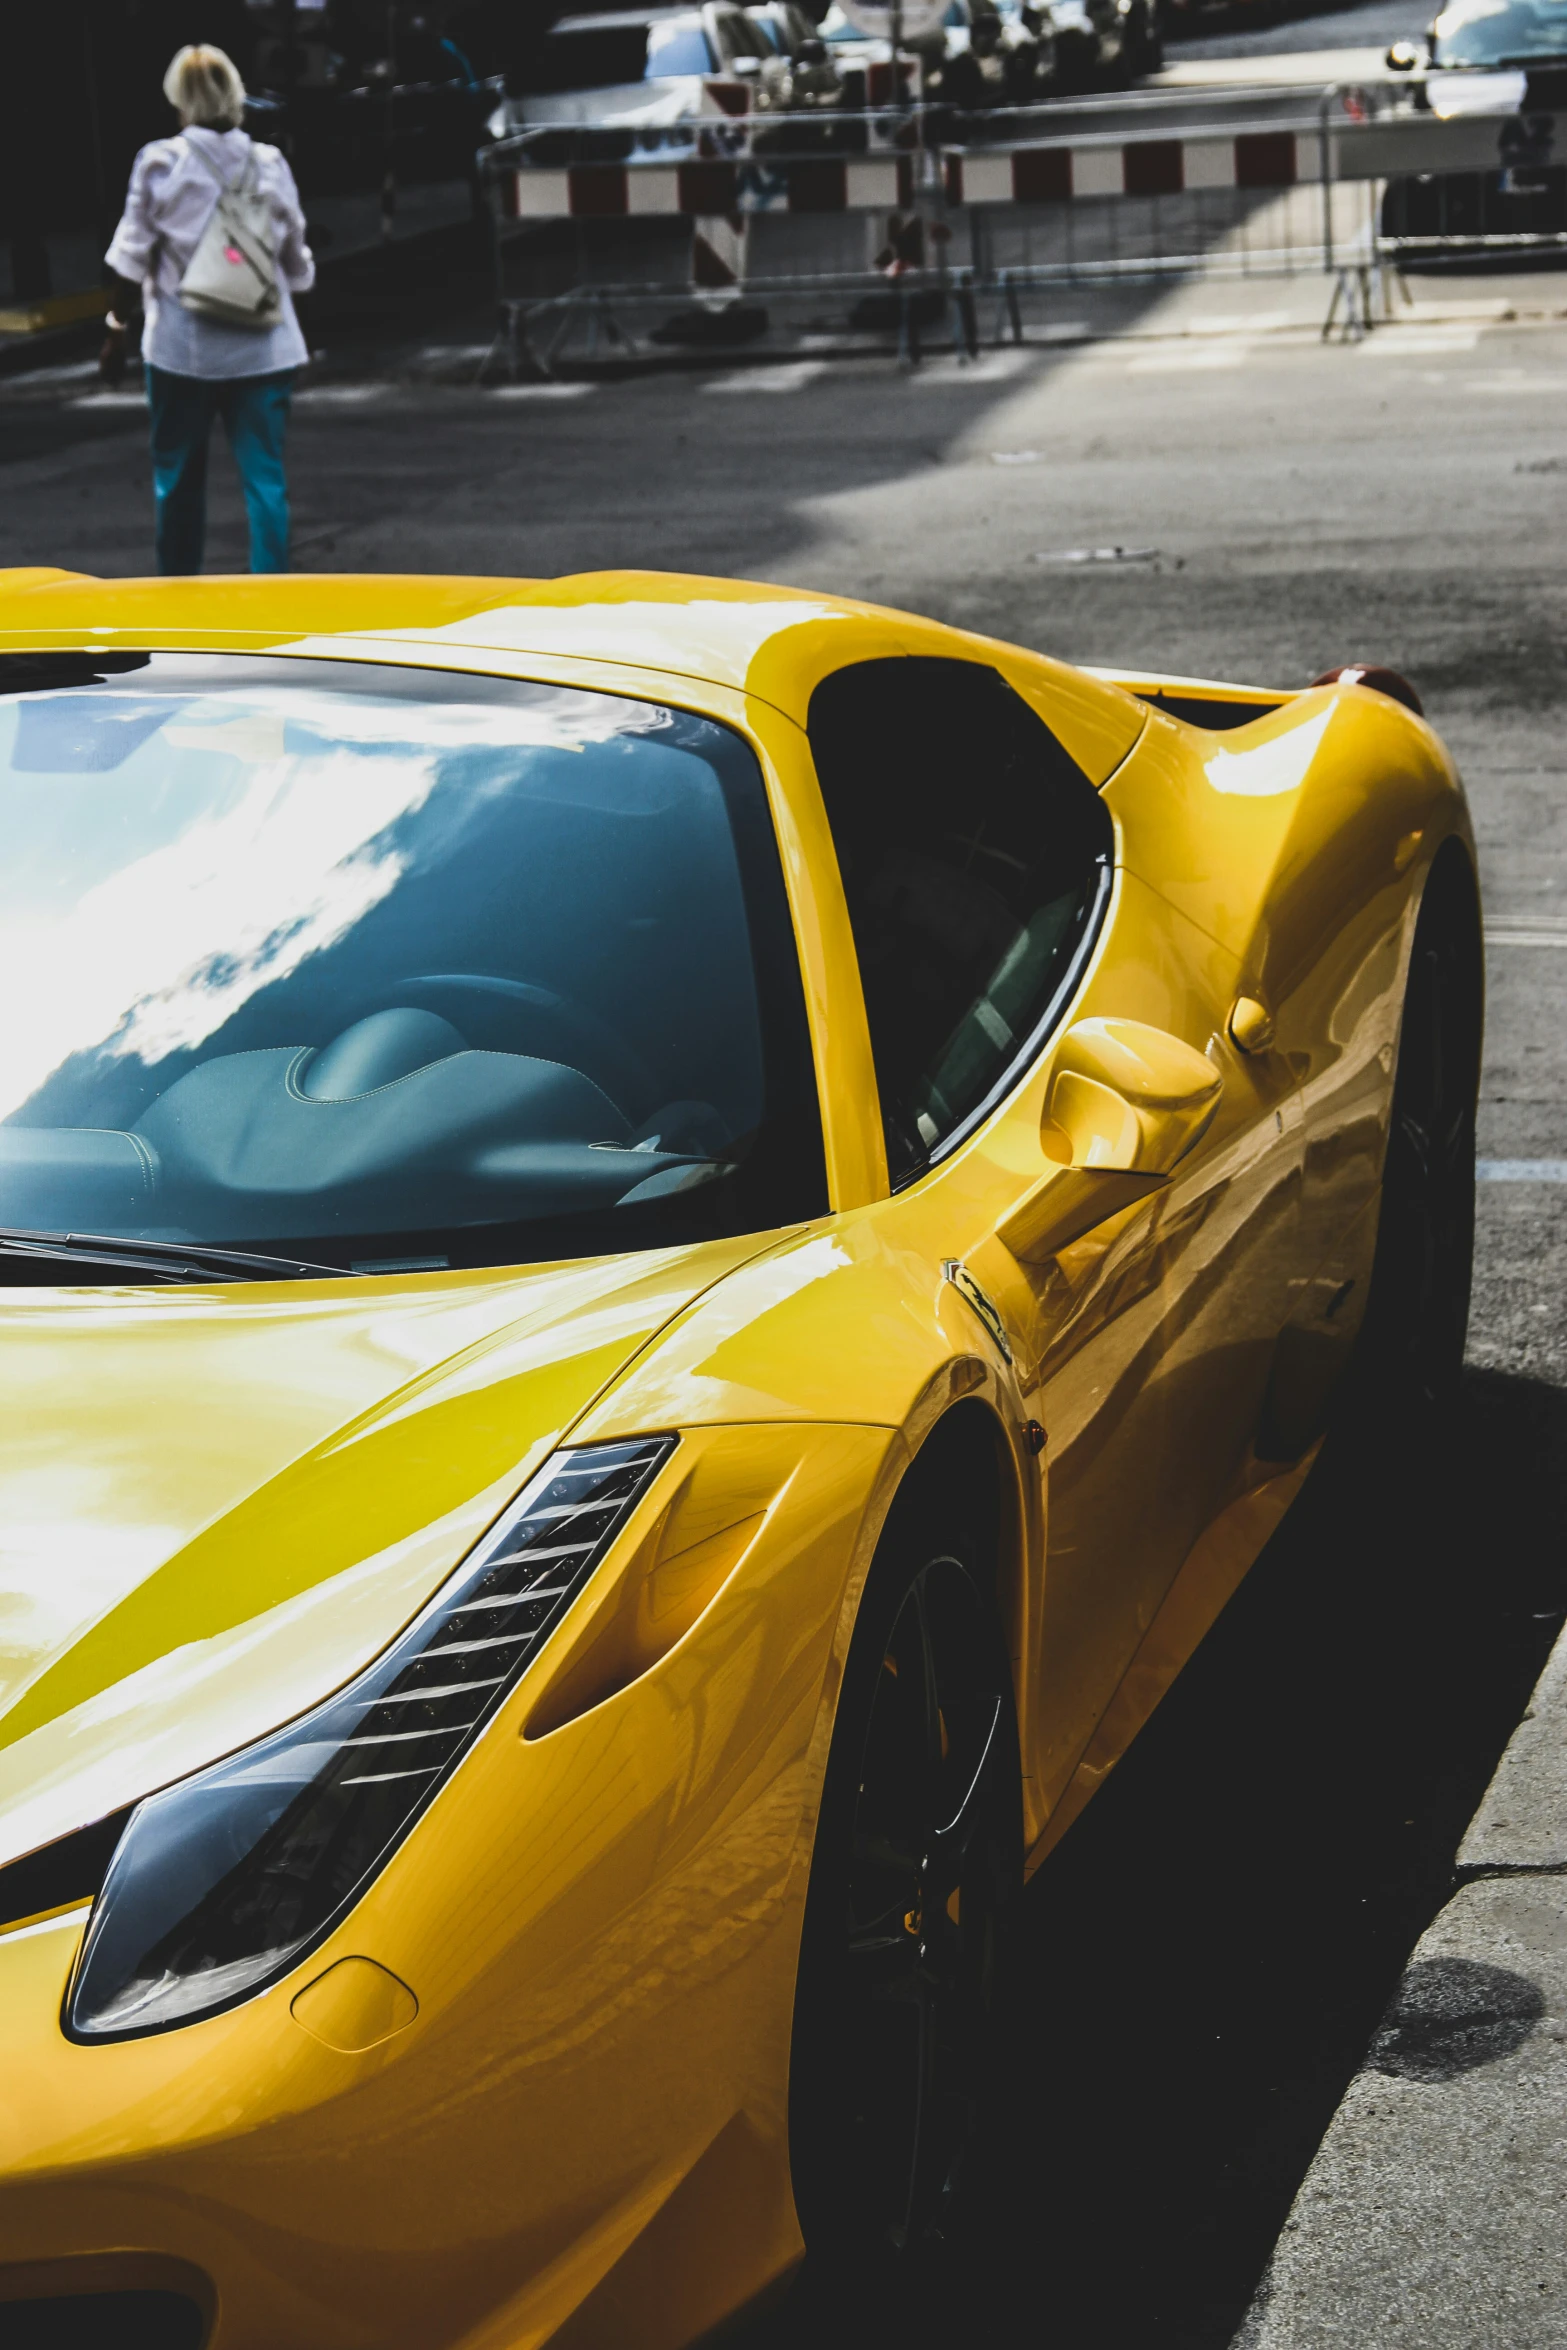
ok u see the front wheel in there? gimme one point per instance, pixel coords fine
(911, 1918)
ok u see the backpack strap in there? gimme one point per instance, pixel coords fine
(228, 186)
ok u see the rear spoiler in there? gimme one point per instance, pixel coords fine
(1203, 701)
(1200, 701)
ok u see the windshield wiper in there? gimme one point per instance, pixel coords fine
(171, 1260)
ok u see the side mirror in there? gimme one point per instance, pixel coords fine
(1126, 1103)
(1127, 1096)
(1404, 57)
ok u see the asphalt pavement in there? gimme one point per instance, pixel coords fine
(1218, 1958)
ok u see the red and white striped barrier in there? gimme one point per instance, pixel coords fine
(1040, 171)
(703, 190)
(1057, 171)
(1066, 172)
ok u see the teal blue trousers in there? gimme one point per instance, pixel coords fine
(254, 410)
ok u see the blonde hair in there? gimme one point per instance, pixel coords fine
(203, 87)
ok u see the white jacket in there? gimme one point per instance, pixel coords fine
(171, 198)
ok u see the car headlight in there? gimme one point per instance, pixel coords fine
(225, 1881)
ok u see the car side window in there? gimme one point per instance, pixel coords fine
(976, 859)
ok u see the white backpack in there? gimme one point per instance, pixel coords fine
(232, 275)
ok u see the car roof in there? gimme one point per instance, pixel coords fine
(719, 630)
(619, 20)
(745, 636)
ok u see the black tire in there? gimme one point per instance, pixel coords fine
(1417, 1315)
(912, 1917)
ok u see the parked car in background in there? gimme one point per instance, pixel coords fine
(1504, 57)
(1490, 35)
(650, 68)
(1008, 65)
(1106, 43)
(864, 60)
(996, 56)
(814, 79)
(1027, 49)
(1026, 23)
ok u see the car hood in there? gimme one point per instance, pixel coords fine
(217, 1504)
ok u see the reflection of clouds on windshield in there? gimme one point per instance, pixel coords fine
(276, 854)
(566, 721)
(158, 956)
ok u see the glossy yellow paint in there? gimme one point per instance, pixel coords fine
(776, 643)
(597, 1922)
(219, 1503)
(534, 2087)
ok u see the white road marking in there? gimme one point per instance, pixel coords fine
(1246, 322)
(1521, 1170)
(1098, 555)
(1417, 342)
(1014, 456)
(989, 368)
(793, 376)
(1527, 930)
(79, 371)
(110, 400)
(1513, 379)
(572, 391)
(1204, 360)
(340, 395)
(1493, 309)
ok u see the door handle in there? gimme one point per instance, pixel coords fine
(1126, 1104)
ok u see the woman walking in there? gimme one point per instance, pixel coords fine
(212, 242)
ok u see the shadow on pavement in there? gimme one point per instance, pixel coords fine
(446, 480)
(1215, 1943)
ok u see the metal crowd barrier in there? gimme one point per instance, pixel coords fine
(905, 221)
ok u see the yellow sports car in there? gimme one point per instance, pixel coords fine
(665, 1244)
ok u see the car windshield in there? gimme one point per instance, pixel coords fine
(677, 48)
(1499, 32)
(396, 967)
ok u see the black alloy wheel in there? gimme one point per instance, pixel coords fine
(1418, 1312)
(911, 1921)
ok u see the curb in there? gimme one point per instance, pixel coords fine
(1434, 2214)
